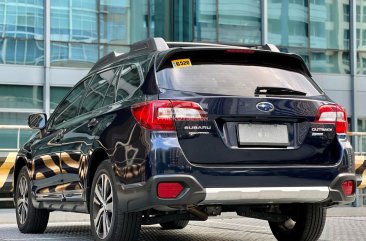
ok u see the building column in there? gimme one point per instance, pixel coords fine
(284, 19)
(47, 57)
(264, 13)
(354, 100)
(353, 64)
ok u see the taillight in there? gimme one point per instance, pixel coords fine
(348, 187)
(333, 114)
(161, 114)
(169, 189)
(155, 115)
(188, 111)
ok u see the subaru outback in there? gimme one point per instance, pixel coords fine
(173, 132)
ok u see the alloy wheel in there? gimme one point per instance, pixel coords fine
(103, 206)
(22, 200)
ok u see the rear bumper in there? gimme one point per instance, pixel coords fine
(143, 196)
(335, 189)
(265, 195)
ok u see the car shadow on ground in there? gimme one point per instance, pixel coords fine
(156, 233)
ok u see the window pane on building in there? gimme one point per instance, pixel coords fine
(80, 29)
(74, 20)
(206, 21)
(117, 17)
(20, 96)
(21, 51)
(361, 37)
(114, 21)
(329, 30)
(9, 137)
(73, 54)
(21, 32)
(329, 61)
(288, 22)
(239, 22)
(329, 36)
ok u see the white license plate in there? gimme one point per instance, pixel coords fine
(263, 135)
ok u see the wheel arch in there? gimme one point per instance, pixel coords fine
(19, 164)
(97, 157)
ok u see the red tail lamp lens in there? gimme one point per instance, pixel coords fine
(169, 189)
(333, 114)
(154, 115)
(348, 187)
(161, 114)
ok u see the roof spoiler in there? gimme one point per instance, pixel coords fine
(159, 44)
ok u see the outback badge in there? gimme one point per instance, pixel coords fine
(265, 106)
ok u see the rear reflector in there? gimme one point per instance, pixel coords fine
(333, 114)
(169, 189)
(161, 114)
(348, 188)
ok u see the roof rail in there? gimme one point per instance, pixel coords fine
(269, 47)
(195, 44)
(149, 45)
(104, 61)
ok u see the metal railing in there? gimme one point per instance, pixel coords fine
(18, 128)
(357, 145)
(360, 154)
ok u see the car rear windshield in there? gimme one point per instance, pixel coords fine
(230, 75)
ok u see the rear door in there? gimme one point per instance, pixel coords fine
(78, 135)
(259, 111)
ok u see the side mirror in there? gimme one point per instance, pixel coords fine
(37, 121)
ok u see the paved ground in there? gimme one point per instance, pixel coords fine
(342, 224)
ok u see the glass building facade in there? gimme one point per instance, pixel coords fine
(82, 31)
(48, 45)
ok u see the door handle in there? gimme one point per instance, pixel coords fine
(92, 123)
(59, 135)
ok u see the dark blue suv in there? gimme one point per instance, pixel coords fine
(172, 132)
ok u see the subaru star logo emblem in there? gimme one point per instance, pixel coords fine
(265, 106)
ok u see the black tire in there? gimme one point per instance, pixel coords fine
(306, 223)
(122, 226)
(178, 224)
(29, 219)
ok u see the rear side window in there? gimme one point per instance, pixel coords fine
(230, 75)
(97, 90)
(129, 82)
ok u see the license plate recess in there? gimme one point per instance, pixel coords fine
(263, 135)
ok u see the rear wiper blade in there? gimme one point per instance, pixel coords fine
(267, 90)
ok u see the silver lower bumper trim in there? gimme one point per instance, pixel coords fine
(265, 195)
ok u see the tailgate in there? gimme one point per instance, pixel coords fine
(236, 132)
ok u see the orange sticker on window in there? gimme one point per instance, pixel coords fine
(181, 63)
